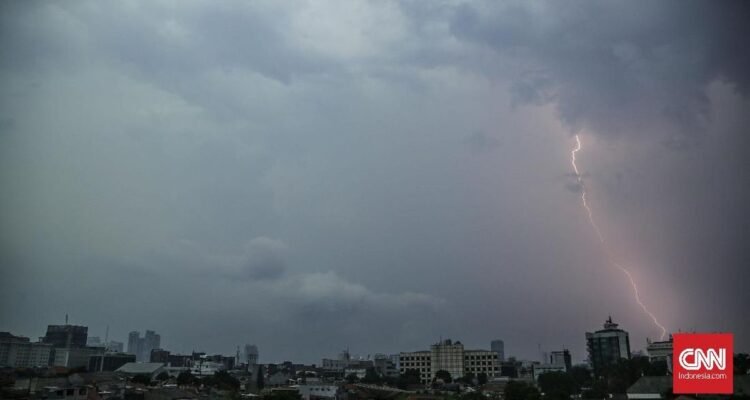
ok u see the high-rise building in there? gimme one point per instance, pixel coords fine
(251, 354)
(151, 341)
(142, 346)
(134, 343)
(66, 335)
(498, 346)
(607, 346)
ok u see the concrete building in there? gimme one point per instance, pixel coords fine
(93, 341)
(150, 370)
(114, 346)
(660, 351)
(385, 366)
(561, 358)
(159, 356)
(109, 361)
(20, 352)
(452, 357)
(607, 346)
(498, 346)
(251, 354)
(311, 392)
(75, 357)
(538, 369)
(66, 335)
(142, 346)
(134, 343)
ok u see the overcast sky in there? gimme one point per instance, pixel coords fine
(311, 176)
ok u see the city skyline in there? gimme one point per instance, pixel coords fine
(375, 175)
(544, 351)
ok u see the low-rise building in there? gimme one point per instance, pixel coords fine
(660, 351)
(109, 361)
(20, 352)
(75, 357)
(539, 369)
(311, 392)
(150, 370)
(451, 357)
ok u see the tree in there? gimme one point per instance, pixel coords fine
(282, 395)
(142, 379)
(557, 385)
(185, 378)
(517, 390)
(473, 396)
(741, 364)
(581, 376)
(598, 390)
(162, 376)
(222, 380)
(444, 376)
(467, 379)
(260, 382)
(408, 378)
(371, 376)
(352, 378)
(481, 378)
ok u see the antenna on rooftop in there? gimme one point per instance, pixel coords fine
(66, 319)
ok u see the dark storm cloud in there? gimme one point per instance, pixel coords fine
(307, 176)
(617, 67)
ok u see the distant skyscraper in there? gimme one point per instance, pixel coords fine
(607, 346)
(251, 354)
(66, 335)
(134, 343)
(498, 346)
(142, 346)
(150, 341)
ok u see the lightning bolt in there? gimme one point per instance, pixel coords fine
(599, 234)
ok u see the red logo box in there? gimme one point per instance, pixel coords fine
(702, 363)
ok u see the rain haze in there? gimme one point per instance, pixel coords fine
(314, 176)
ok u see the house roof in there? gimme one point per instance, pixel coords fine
(651, 384)
(140, 368)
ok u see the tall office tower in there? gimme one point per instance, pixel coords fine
(498, 346)
(134, 344)
(607, 346)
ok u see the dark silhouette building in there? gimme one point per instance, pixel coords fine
(109, 361)
(607, 346)
(66, 335)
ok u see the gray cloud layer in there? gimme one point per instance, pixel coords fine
(368, 174)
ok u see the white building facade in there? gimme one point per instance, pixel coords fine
(452, 357)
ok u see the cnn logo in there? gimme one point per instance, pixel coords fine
(703, 363)
(696, 359)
